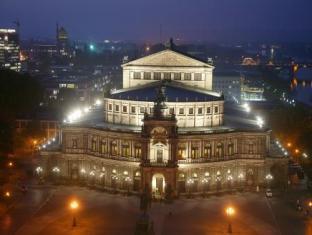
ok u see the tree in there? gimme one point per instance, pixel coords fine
(19, 94)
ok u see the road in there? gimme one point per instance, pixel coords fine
(44, 210)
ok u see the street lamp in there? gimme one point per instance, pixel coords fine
(269, 178)
(230, 211)
(10, 164)
(73, 206)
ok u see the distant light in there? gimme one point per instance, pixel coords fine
(304, 155)
(53, 139)
(260, 121)
(98, 102)
(91, 47)
(246, 107)
(86, 109)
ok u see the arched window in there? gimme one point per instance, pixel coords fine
(230, 148)
(219, 150)
(125, 149)
(103, 148)
(137, 151)
(251, 148)
(93, 144)
(113, 148)
(207, 151)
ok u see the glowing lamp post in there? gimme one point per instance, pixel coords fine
(269, 178)
(10, 164)
(230, 211)
(73, 206)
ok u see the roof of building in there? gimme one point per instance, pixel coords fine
(174, 92)
(168, 58)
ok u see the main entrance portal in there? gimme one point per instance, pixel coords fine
(158, 185)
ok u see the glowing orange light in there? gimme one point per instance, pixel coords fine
(297, 151)
(230, 211)
(289, 144)
(10, 164)
(310, 204)
(7, 194)
(35, 142)
(74, 205)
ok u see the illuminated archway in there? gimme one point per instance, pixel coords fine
(158, 185)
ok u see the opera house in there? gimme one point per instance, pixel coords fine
(165, 131)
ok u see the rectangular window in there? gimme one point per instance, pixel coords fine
(171, 110)
(93, 145)
(197, 76)
(167, 75)
(187, 76)
(137, 75)
(181, 111)
(124, 109)
(177, 76)
(117, 108)
(137, 151)
(157, 76)
(142, 109)
(208, 110)
(125, 150)
(216, 109)
(147, 76)
(200, 111)
(75, 144)
(191, 111)
(133, 109)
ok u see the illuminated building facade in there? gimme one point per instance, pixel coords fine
(9, 50)
(167, 135)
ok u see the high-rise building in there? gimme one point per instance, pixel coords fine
(62, 41)
(9, 50)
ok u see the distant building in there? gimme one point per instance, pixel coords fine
(250, 93)
(228, 83)
(62, 41)
(9, 50)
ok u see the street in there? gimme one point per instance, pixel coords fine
(45, 210)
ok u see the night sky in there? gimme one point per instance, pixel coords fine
(211, 20)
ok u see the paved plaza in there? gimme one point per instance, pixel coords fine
(44, 210)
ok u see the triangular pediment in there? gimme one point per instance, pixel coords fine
(168, 58)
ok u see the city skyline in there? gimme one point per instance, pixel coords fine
(205, 21)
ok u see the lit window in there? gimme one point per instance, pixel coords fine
(137, 75)
(124, 109)
(117, 108)
(177, 76)
(187, 76)
(197, 76)
(167, 75)
(157, 76)
(216, 109)
(74, 143)
(208, 110)
(147, 75)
